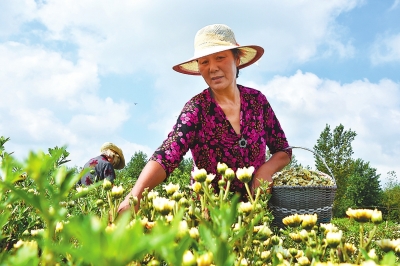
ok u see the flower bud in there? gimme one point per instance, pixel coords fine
(205, 259)
(110, 228)
(376, 217)
(194, 233)
(99, 203)
(117, 192)
(152, 195)
(19, 244)
(293, 252)
(107, 185)
(153, 262)
(265, 255)
(196, 186)
(133, 200)
(229, 174)
(221, 168)
(183, 229)
(59, 227)
(188, 259)
(82, 191)
(303, 261)
(221, 183)
(275, 240)
(183, 202)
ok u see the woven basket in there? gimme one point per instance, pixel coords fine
(289, 200)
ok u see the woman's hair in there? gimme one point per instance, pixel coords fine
(237, 53)
(112, 154)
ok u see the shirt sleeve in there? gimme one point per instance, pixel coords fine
(276, 138)
(179, 140)
(109, 172)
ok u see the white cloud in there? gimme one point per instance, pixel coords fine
(13, 13)
(386, 49)
(125, 36)
(47, 100)
(305, 103)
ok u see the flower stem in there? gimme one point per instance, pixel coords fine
(248, 192)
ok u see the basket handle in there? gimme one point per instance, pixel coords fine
(314, 152)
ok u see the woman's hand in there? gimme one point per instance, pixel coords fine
(124, 206)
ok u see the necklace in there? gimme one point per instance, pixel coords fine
(242, 142)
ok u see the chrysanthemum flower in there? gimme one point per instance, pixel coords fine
(360, 215)
(245, 207)
(292, 220)
(329, 227)
(163, 205)
(245, 174)
(210, 178)
(152, 195)
(196, 186)
(349, 248)
(199, 175)
(333, 238)
(309, 220)
(388, 245)
(171, 188)
(295, 237)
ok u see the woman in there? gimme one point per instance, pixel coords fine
(102, 166)
(226, 123)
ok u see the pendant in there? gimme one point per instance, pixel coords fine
(242, 143)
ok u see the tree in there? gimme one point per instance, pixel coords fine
(335, 148)
(181, 175)
(391, 196)
(363, 190)
(130, 173)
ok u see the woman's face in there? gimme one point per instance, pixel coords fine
(219, 69)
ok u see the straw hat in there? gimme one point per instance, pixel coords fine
(213, 39)
(115, 148)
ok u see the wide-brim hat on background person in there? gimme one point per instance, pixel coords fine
(217, 38)
(115, 148)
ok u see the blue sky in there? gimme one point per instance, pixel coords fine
(80, 73)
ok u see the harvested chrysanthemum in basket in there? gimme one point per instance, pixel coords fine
(299, 176)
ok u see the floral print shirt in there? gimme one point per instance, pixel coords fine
(203, 128)
(100, 168)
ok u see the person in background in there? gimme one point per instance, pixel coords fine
(103, 166)
(225, 123)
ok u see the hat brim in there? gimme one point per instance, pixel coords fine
(112, 146)
(251, 54)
